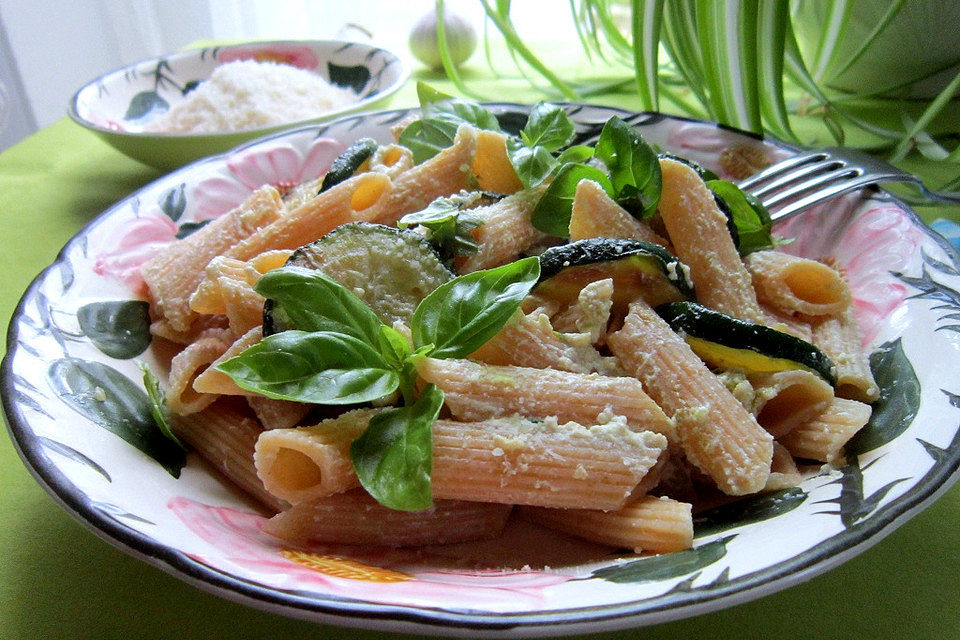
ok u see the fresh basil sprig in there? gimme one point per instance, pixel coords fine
(448, 224)
(633, 165)
(553, 210)
(441, 116)
(341, 353)
(748, 220)
(548, 130)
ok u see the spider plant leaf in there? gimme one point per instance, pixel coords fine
(645, 21)
(445, 57)
(679, 36)
(772, 21)
(933, 109)
(500, 16)
(838, 14)
(728, 39)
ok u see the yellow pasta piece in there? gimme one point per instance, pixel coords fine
(795, 285)
(356, 199)
(823, 437)
(660, 525)
(839, 338)
(215, 382)
(475, 391)
(698, 232)
(787, 399)
(173, 275)
(198, 326)
(491, 165)
(391, 159)
(224, 434)
(596, 215)
(506, 230)
(356, 518)
(716, 432)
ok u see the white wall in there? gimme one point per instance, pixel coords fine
(59, 45)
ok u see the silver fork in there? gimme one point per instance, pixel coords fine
(799, 182)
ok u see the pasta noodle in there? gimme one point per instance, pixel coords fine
(589, 416)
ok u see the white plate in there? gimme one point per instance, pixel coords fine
(905, 282)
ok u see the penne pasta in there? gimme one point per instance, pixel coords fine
(658, 525)
(823, 437)
(786, 399)
(224, 435)
(506, 230)
(491, 165)
(182, 398)
(839, 338)
(358, 198)
(356, 518)
(173, 275)
(699, 235)
(595, 214)
(716, 433)
(507, 461)
(793, 285)
(301, 464)
(591, 313)
(212, 381)
(475, 392)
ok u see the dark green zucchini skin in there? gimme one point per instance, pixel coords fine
(348, 162)
(372, 256)
(597, 250)
(707, 324)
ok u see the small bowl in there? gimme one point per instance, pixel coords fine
(119, 105)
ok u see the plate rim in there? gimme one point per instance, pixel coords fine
(355, 613)
(405, 71)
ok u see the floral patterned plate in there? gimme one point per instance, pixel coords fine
(79, 415)
(118, 105)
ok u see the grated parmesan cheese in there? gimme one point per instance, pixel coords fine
(247, 94)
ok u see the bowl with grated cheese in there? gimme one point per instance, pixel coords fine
(169, 111)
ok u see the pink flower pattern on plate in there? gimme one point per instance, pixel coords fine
(282, 166)
(243, 549)
(131, 246)
(292, 54)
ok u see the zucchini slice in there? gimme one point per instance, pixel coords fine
(390, 269)
(638, 269)
(723, 341)
(348, 162)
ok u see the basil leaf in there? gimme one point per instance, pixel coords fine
(633, 165)
(532, 164)
(548, 126)
(552, 213)
(394, 347)
(158, 405)
(313, 301)
(427, 94)
(320, 367)
(576, 153)
(464, 110)
(442, 116)
(750, 219)
(448, 228)
(460, 315)
(429, 136)
(394, 456)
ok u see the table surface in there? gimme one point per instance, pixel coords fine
(58, 580)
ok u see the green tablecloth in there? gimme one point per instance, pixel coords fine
(57, 580)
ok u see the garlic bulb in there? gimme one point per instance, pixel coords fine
(460, 34)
